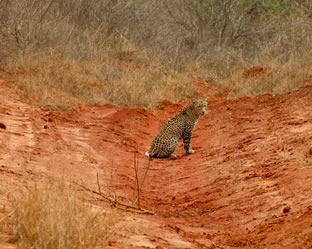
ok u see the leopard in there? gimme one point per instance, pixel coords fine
(178, 127)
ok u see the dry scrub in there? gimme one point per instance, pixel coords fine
(68, 52)
(60, 83)
(245, 79)
(275, 80)
(53, 216)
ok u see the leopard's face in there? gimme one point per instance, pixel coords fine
(200, 106)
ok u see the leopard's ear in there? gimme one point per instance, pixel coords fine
(206, 100)
(193, 101)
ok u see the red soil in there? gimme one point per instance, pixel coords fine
(248, 185)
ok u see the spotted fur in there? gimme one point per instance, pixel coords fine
(179, 127)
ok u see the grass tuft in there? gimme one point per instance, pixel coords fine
(52, 216)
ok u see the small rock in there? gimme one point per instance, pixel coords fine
(112, 243)
(286, 209)
(2, 126)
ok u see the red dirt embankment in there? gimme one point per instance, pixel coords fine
(248, 185)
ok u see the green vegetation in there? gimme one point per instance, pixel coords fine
(69, 52)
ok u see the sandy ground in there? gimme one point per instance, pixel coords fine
(248, 185)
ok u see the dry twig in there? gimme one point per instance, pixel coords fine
(115, 203)
(139, 186)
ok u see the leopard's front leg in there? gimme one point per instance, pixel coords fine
(187, 136)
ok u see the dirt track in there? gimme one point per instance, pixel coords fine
(247, 186)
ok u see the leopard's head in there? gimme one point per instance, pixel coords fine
(200, 106)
